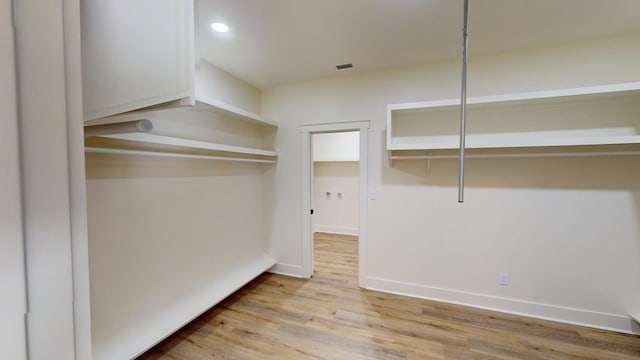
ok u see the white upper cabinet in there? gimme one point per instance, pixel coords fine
(136, 54)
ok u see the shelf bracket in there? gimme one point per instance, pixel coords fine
(428, 170)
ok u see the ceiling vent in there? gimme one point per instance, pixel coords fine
(344, 66)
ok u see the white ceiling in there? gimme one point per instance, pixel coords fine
(272, 42)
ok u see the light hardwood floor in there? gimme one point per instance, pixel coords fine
(329, 317)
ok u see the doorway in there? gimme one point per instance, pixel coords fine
(308, 132)
(336, 164)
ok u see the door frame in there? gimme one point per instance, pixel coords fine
(13, 308)
(53, 179)
(307, 163)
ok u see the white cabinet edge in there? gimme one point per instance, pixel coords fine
(166, 102)
(198, 102)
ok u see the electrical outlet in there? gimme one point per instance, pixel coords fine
(504, 279)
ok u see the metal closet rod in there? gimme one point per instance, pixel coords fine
(516, 155)
(463, 102)
(173, 155)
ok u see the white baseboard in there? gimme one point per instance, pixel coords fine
(512, 306)
(336, 230)
(287, 269)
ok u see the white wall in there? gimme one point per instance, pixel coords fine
(169, 236)
(13, 302)
(334, 213)
(218, 84)
(340, 146)
(336, 171)
(566, 230)
(164, 234)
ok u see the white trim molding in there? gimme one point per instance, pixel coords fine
(287, 269)
(336, 230)
(562, 314)
(307, 178)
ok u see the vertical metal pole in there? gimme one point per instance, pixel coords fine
(463, 102)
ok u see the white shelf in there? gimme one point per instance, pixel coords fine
(558, 94)
(192, 144)
(595, 115)
(471, 143)
(220, 107)
(635, 317)
(131, 342)
(202, 103)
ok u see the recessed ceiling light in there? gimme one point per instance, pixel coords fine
(220, 27)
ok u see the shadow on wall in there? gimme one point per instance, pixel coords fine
(110, 166)
(636, 201)
(339, 169)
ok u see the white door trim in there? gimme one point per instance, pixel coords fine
(306, 236)
(77, 180)
(13, 302)
(49, 154)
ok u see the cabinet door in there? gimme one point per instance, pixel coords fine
(136, 54)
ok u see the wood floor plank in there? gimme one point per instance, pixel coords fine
(329, 317)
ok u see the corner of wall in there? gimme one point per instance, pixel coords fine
(287, 269)
(219, 84)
